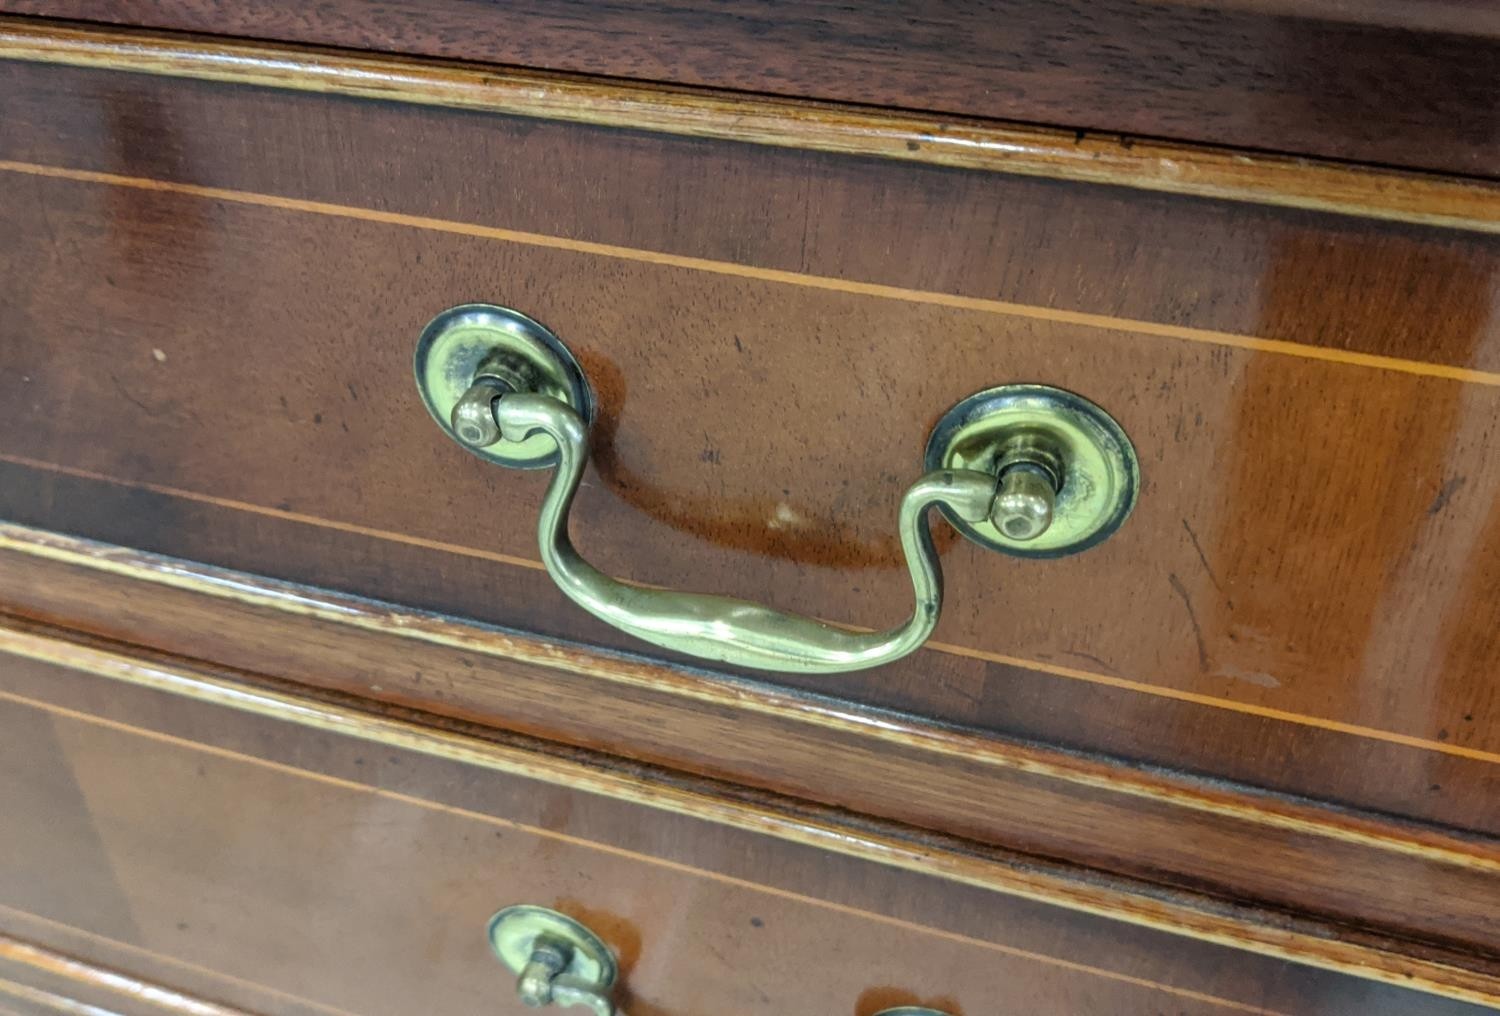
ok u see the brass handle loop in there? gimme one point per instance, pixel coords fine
(722, 628)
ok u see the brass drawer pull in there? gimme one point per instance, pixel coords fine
(556, 960)
(1024, 469)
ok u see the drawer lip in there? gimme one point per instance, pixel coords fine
(251, 759)
(1202, 171)
(43, 968)
(610, 668)
(1302, 76)
(1307, 938)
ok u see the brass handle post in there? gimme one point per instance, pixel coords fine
(557, 961)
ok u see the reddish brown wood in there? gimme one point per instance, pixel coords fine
(207, 302)
(964, 143)
(1377, 288)
(35, 979)
(258, 850)
(1272, 598)
(1231, 841)
(1414, 84)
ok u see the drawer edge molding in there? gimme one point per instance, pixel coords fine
(54, 981)
(612, 669)
(1461, 203)
(180, 735)
(1301, 938)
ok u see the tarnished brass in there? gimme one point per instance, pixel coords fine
(470, 355)
(1069, 475)
(1017, 467)
(718, 627)
(560, 962)
(556, 960)
(1023, 504)
(473, 416)
(502, 372)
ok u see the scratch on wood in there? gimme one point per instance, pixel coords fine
(1202, 556)
(1445, 493)
(1187, 601)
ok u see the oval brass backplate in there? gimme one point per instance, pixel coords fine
(1098, 477)
(457, 341)
(515, 931)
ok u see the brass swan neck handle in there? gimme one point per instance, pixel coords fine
(1028, 470)
(721, 628)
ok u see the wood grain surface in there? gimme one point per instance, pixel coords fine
(351, 869)
(1413, 84)
(34, 979)
(1116, 160)
(211, 294)
(1409, 880)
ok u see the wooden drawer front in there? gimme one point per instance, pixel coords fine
(210, 297)
(1311, 77)
(279, 868)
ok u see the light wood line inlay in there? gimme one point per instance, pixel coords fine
(50, 1001)
(1081, 319)
(48, 962)
(173, 961)
(1198, 171)
(1172, 915)
(674, 866)
(1051, 669)
(819, 717)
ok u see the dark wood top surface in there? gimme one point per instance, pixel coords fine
(1409, 84)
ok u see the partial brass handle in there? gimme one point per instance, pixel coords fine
(557, 961)
(523, 402)
(560, 962)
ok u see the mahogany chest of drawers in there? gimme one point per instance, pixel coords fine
(1179, 317)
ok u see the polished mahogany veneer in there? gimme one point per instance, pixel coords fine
(1363, 881)
(1409, 83)
(161, 831)
(288, 703)
(1299, 498)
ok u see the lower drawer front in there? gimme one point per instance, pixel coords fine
(276, 867)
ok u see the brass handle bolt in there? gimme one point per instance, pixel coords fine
(1030, 468)
(549, 957)
(557, 961)
(1024, 501)
(473, 418)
